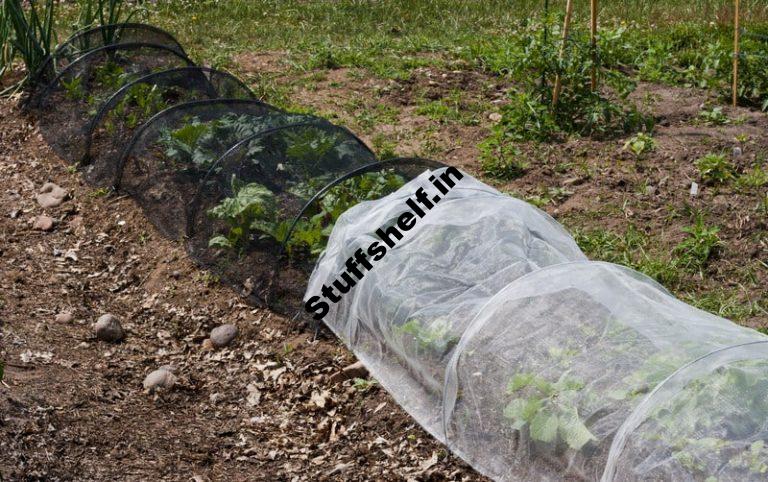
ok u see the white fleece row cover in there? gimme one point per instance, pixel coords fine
(492, 329)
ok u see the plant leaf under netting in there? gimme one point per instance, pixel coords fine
(135, 103)
(89, 39)
(310, 228)
(246, 205)
(491, 328)
(76, 95)
(162, 165)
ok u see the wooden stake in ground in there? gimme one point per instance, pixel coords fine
(593, 41)
(566, 28)
(736, 52)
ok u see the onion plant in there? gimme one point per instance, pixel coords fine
(103, 12)
(28, 32)
(6, 47)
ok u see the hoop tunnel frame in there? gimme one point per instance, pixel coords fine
(126, 46)
(81, 33)
(128, 150)
(106, 105)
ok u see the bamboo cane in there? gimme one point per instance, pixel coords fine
(593, 41)
(736, 52)
(566, 27)
(545, 42)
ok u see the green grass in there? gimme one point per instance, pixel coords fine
(673, 41)
(644, 253)
(680, 268)
(727, 303)
(405, 25)
(633, 249)
(451, 108)
(501, 160)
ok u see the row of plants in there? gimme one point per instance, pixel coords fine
(687, 55)
(729, 401)
(532, 57)
(716, 420)
(198, 144)
(253, 212)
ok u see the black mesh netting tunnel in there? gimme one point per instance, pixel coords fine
(311, 227)
(165, 161)
(484, 320)
(89, 39)
(76, 94)
(111, 129)
(281, 168)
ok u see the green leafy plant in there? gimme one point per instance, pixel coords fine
(688, 425)
(548, 410)
(363, 385)
(715, 168)
(653, 371)
(501, 159)
(312, 233)
(714, 116)
(252, 207)
(73, 89)
(700, 245)
(100, 192)
(111, 76)
(527, 117)
(640, 144)
(309, 144)
(434, 338)
(755, 178)
(140, 102)
(198, 144)
(531, 57)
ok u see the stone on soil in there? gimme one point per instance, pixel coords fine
(223, 335)
(355, 370)
(160, 378)
(51, 195)
(107, 328)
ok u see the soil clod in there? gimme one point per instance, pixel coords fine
(43, 223)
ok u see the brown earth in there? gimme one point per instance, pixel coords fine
(266, 408)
